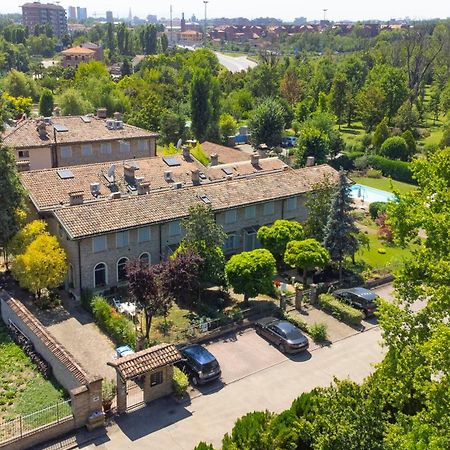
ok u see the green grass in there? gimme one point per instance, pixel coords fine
(22, 388)
(391, 259)
(353, 135)
(178, 322)
(168, 150)
(384, 184)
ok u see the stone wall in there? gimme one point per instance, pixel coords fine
(160, 390)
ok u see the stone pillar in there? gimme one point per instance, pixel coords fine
(313, 293)
(121, 395)
(80, 405)
(95, 394)
(283, 302)
(298, 298)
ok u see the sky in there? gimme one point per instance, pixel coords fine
(282, 9)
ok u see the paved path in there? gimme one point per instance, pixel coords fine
(235, 63)
(166, 425)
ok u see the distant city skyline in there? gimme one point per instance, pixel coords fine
(281, 9)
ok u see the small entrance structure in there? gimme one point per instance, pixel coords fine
(154, 365)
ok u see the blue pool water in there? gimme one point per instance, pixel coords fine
(369, 195)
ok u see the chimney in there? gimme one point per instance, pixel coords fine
(255, 159)
(56, 111)
(42, 129)
(117, 116)
(310, 161)
(143, 187)
(101, 113)
(76, 198)
(186, 153)
(195, 174)
(214, 157)
(129, 173)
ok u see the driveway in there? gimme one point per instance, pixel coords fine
(166, 425)
(79, 334)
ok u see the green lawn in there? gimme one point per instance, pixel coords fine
(378, 261)
(22, 388)
(384, 184)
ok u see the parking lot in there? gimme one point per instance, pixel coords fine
(244, 353)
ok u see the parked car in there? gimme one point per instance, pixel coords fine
(199, 364)
(360, 298)
(124, 350)
(286, 336)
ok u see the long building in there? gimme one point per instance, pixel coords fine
(45, 13)
(74, 140)
(105, 215)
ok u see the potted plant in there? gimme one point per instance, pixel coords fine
(109, 390)
(180, 384)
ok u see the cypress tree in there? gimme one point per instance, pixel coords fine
(46, 103)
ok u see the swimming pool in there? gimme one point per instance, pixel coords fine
(369, 195)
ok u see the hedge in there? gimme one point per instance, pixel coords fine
(397, 170)
(340, 310)
(114, 324)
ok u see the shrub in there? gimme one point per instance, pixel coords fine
(361, 163)
(115, 325)
(374, 173)
(299, 323)
(180, 382)
(376, 208)
(340, 310)
(398, 170)
(318, 331)
(86, 299)
(346, 160)
(395, 148)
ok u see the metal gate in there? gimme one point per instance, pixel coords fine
(135, 393)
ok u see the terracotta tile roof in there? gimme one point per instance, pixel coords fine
(147, 360)
(47, 189)
(78, 51)
(105, 216)
(46, 338)
(25, 135)
(226, 154)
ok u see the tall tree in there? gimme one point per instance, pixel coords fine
(43, 265)
(318, 203)
(340, 233)
(305, 255)
(46, 103)
(146, 287)
(339, 97)
(12, 196)
(380, 134)
(200, 105)
(266, 125)
(250, 273)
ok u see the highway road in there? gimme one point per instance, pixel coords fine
(235, 63)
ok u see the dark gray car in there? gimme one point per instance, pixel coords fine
(287, 337)
(360, 298)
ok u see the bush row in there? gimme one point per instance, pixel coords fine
(397, 170)
(318, 331)
(114, 324)
(340, 310)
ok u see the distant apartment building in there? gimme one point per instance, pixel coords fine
(73, 140)
(81, 14)
(109, 17)
(45, 13)
(72, 13)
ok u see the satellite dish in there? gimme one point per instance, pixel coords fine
(179, 143)
(111, 172)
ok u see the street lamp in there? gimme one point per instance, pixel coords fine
(204, 35)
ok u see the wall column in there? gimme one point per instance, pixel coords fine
(121, 395)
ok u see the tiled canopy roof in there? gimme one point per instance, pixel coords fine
(105, 216)
(145, 361)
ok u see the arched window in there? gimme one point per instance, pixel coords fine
(145, 259)
(122, 269)
(100, 275)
